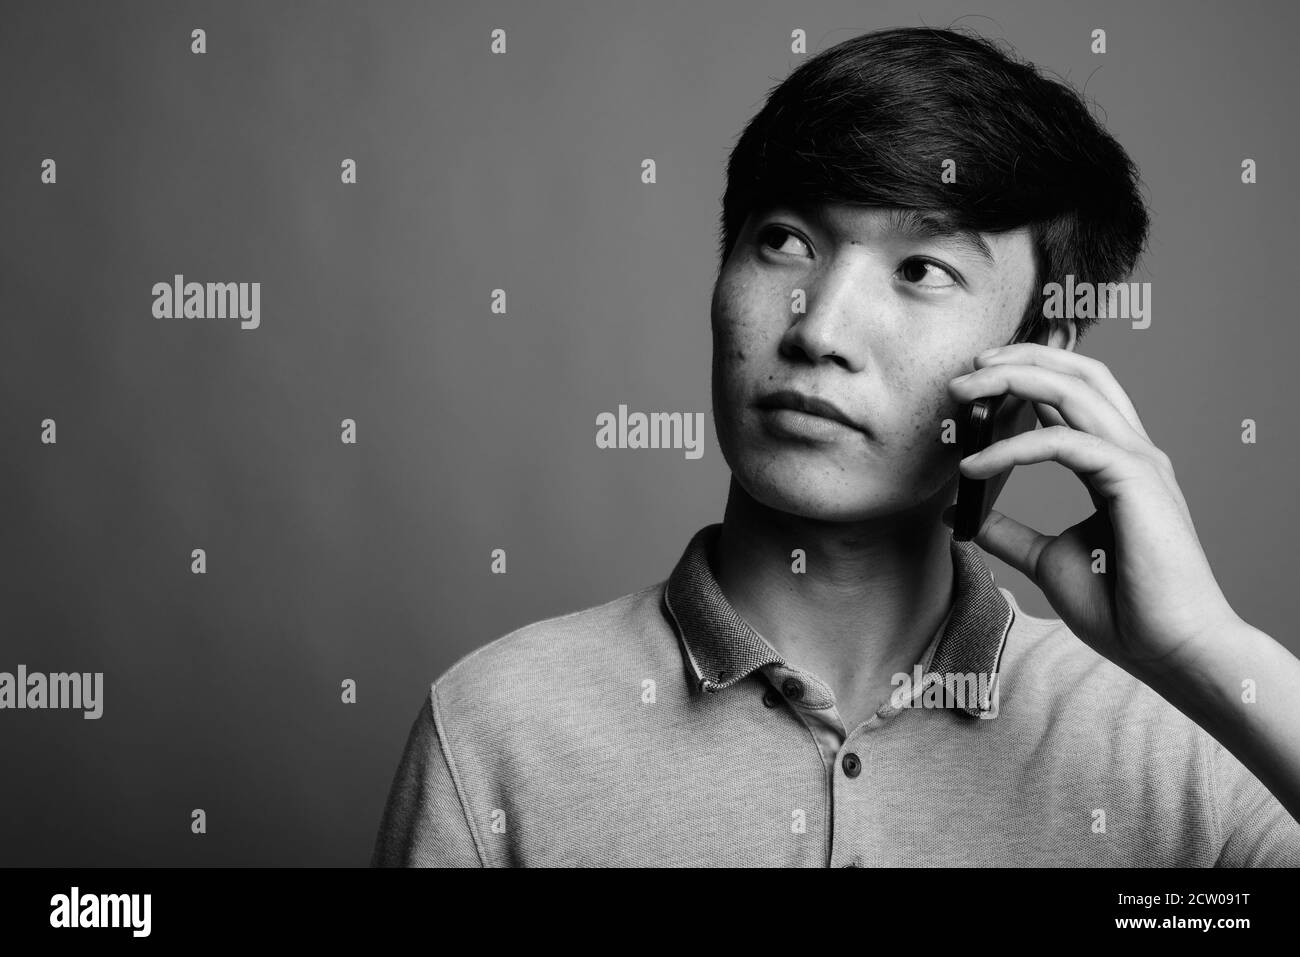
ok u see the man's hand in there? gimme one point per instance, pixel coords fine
(1157, 611)
(1157, 599)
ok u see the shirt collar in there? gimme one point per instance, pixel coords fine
(723, 649)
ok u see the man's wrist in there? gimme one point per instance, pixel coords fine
(1213, 677)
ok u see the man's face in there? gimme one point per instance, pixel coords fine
(891, 314)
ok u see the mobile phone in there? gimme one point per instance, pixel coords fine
(980, 424)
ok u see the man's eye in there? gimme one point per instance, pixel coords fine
(780, 237)
(926, 273)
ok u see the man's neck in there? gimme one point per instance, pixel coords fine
(870, 599)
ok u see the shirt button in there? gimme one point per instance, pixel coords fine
(852, 766)
(793, 688)
(771, 698)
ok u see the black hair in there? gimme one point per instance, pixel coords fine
(871, 120)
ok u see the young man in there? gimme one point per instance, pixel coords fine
(748, 710)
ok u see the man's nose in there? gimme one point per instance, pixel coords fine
(838, 320)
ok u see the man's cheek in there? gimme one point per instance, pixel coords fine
(934, 427)
(737, 357)
(742, 341)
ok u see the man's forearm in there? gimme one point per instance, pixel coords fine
(1243, 688)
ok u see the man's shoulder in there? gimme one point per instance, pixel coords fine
(1047, 648)
(556, 658)
(1050, 675)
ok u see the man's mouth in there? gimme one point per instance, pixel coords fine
(795, 414)
(811, 405)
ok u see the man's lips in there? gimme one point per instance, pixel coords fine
(813, 405)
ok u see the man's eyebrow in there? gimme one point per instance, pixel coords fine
(918, 224)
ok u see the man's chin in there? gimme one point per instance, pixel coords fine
(818, 498)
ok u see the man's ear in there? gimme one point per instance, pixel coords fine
(1063, 334)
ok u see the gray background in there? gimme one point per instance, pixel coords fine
(476, 431)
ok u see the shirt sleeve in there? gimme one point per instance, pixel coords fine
(1257, 831)
(424, 822)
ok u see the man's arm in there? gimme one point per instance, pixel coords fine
(424, 822)
(1131, 580)
(1243, 688)
(1255, 830)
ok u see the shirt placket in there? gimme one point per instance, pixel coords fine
(813, 702)
(845, 755)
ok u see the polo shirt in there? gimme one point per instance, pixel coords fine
(660, 729)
